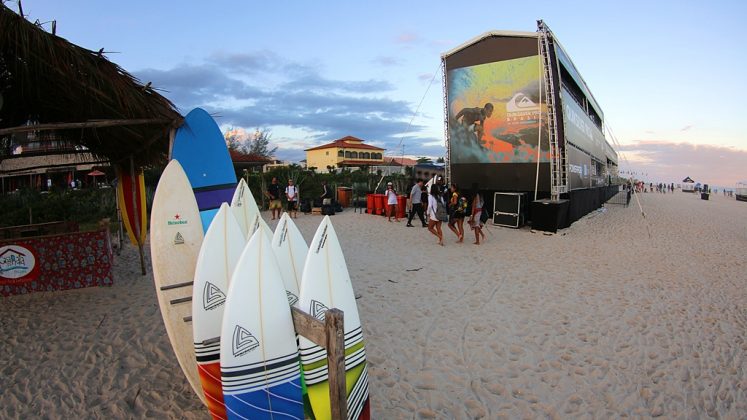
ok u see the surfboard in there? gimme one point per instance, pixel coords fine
(132, 204)
(326, 284)
(175, 240)
(216, 261)
(201, 149)
(246, 211)
(290, 250)
(258, 353)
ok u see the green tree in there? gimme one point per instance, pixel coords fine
(259, 144)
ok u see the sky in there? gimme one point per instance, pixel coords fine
(668, 75)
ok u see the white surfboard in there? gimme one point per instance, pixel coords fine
(290, 249)
(246, 211)
(224, 241)
(259, 357)
(175, 240)
(326, 284)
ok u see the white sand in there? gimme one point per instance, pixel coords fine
(601, 320)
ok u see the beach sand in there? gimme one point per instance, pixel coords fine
(615, 316)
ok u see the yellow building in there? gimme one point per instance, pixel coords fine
(344, 152)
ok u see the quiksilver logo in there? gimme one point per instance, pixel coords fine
(212, 296)
(243, 341)
(318, 310)
(292, 299)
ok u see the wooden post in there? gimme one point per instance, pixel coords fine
(334, 325)
(330, 335)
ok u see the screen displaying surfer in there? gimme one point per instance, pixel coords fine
(474, 119)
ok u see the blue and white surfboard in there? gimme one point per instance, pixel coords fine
(260, 368)
(201, 149)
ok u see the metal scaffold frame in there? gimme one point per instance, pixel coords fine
(446, 121)
(558, 170)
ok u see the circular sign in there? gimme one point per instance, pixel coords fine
(17, 264)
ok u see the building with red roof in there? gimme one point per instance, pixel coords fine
(345, 152)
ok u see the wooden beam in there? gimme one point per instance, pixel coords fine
(86, 124)
(330, 335)
(309, 327)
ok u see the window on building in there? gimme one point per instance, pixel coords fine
(354, 155)
(366, 155)
(340, 153)
(347, 155)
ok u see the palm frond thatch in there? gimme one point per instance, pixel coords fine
(47, 79)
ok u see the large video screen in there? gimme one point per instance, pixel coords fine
(494, 112)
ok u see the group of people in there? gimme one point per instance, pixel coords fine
(291, 194)
(439, 205)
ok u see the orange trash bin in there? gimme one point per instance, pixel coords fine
(401, 206)
(380, 203)
(344, 195)
(370, 205)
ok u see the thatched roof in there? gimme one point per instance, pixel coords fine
(45, 78)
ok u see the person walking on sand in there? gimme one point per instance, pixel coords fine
(391, 202)
(273, 193)
(417, 205)
(434, 223)
(291, 193)
(475, 221)
(457, 206)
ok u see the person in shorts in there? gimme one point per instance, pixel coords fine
(457, 209)
(273, 193)
(391, 202)
(291, 194)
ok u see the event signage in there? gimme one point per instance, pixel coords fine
(581, 131)
(17, 265)
(579, 164)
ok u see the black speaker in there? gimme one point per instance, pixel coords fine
(509, 209)
(548, 215)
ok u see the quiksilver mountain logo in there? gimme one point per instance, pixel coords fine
(243, 341)
(318, 310)
(521, 109)
(212, 296)
(177, 220)
(178, 239)
(292, 299)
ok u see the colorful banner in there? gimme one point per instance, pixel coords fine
(55, 262)
(494, 112)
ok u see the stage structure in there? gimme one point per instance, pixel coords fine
(519, 118)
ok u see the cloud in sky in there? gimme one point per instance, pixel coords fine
(387, 61)
(665, 161)
(264, 90)
(407, 38)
